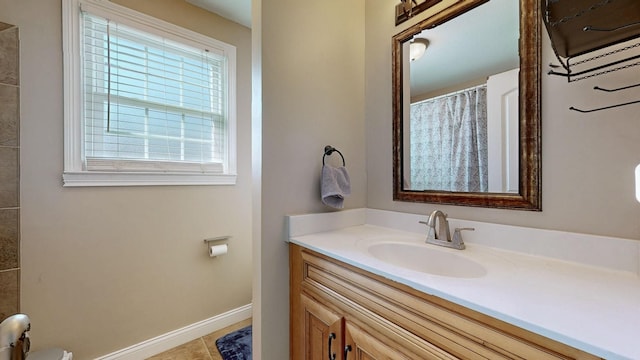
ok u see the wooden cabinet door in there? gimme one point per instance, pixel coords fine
(360, 345)
(322, 331)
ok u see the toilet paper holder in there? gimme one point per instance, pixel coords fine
(215, 245)
(208, 241)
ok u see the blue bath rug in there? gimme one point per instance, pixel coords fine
(236, 345)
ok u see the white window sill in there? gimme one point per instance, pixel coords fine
(98, 178)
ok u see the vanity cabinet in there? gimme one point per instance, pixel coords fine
(329, 334)
(326, 328)
(341, 312)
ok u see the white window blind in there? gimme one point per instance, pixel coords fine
(150, 103)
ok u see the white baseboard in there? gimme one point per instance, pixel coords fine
(180, 336)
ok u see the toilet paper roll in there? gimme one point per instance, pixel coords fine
(216, 250)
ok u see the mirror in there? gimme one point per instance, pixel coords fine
(495, 137)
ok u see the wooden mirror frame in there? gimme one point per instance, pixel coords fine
(530, 162)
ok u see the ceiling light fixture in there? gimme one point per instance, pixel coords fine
(417, 47)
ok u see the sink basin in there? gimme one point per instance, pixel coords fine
(426, 259)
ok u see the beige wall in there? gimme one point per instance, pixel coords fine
(313, 95)
(588, 160)
(105, 268)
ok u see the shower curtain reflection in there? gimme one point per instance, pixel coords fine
(448, 136)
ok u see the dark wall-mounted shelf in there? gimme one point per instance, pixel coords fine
(593, 37)
(577, 27)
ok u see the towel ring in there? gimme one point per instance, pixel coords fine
(328, 150)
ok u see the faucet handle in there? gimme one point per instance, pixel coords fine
(431, 232)
(460, 229)
(457, 236)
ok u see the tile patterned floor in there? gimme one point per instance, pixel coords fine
(203, 348)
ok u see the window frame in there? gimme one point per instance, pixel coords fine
(75, 172)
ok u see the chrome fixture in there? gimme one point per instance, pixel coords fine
(439, 233)
(436, 218)
(14, 337)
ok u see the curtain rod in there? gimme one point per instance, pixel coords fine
(449, 94)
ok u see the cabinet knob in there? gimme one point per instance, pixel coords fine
(347, 350)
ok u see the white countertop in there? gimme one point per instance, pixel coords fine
(592, 308)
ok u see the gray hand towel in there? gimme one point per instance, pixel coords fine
(335, 185)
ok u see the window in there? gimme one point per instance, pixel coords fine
(146, 102)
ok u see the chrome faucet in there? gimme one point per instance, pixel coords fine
(439, 233)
